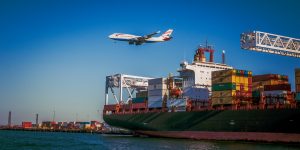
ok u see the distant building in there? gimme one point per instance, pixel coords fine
(96, 125)
(26, 125)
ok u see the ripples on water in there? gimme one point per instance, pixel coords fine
(52, 140)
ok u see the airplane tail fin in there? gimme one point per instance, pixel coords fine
(167, 35)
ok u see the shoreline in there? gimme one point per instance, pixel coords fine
(69, 131)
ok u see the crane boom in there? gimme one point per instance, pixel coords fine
(270, 43)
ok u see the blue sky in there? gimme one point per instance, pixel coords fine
(54, 55)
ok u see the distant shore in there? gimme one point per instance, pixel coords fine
(119, 132)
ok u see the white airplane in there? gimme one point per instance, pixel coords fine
(138, 40)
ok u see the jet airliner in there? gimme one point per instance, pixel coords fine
(138, 40)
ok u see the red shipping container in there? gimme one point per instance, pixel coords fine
(284, 87)
(110, 107)
(126, 106)
(266, 77)
(297, 88)
(138, 105)
(249, 80)
(26, 125)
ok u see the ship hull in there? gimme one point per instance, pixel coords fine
(231, 136)
(272, 125)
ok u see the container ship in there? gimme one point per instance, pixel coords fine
(206, 101)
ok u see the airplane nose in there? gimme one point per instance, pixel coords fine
(110, 36)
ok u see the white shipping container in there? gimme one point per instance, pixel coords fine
(155, 101)
(157, 86)
(157, 81)
(157, 93)
(177, 109)
(176, 102)
(275, 93)
(196, 93)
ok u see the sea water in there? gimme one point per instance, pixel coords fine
(56, 140)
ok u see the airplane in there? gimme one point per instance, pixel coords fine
(138, 40)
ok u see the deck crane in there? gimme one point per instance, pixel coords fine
(270, 43)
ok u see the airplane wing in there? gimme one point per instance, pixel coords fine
(141, 39)
(150, 35)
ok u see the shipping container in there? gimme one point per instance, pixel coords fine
(228, 101)
(227, 93)
(224, 79)
(155, 103)
(223, 101)
(286, 87)
(266, 77)
(195, 93)
(297, 72)
(157, 92)
(157, 81)
(157, 87)
(223, 73)
(298, 97)
(142, 94)
(176, 103)
(298, 80)
(139, 106)
(223, 86)
(298, 88)
(244, 94)
(231, 72)
(139, 99)
(110, 107)
(280, 93)
(256, 94)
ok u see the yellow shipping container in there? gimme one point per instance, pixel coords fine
(223, 93)
(246, 80)
(223, 73)
(246, 88)
(297, 80)
(238, 87)
(224, 79)
(297, 72)
(222, 101)
(242, 80)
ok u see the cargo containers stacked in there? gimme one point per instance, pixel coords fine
(157, 93)
(297, 82)
(140, 101)
(274, 87)
(231, 87)
(259, 81)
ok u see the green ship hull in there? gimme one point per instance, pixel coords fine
(282, 123)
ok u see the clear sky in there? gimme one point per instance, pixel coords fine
(54, 55)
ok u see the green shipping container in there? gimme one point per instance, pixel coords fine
(223, 86)
(139, 100)
(297, 96)
(256, 94)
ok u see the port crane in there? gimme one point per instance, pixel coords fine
(270, 43)
(129, 82)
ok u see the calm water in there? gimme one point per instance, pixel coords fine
(45, 140)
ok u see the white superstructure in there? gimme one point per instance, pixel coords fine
(198, 73)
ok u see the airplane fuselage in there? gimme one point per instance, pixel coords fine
(129, 37)
(138, 40)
